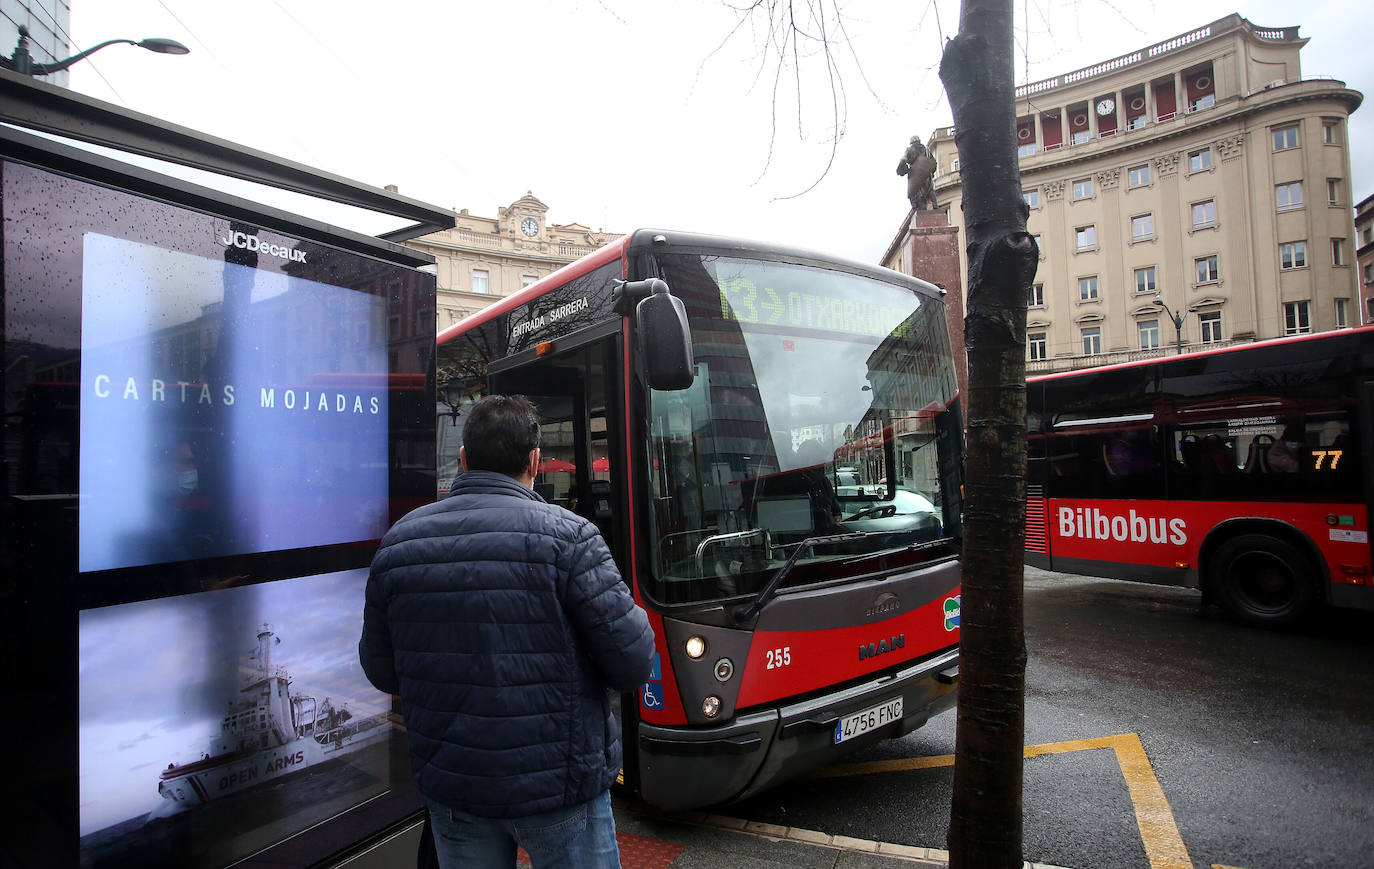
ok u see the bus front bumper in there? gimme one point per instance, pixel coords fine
(687, 768)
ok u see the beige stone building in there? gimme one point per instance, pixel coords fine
(1203, 171)
(482, 259)
(1364, 253)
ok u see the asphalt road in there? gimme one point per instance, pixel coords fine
(1164, 735)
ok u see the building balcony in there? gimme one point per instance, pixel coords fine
(1057, 364)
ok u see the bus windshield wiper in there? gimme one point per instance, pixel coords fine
(747, 611)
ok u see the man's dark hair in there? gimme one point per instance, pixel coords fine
(499, 433)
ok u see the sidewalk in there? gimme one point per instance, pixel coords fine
(660, 840)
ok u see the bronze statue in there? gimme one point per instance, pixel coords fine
(919, 168)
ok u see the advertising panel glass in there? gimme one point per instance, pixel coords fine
(208, 427)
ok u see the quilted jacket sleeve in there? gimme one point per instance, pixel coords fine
(611, 626)
(374, 648)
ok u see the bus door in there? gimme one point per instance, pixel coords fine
(581, 452)
(581, 465)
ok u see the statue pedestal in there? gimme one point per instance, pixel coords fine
(933, 252)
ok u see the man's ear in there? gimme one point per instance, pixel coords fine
(463, 458)
(532, 468)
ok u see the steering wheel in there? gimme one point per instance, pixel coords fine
(881, 511)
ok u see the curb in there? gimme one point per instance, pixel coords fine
(917, 856)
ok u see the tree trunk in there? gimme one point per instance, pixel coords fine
(985, 814)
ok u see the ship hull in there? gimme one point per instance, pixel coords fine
(195, 784)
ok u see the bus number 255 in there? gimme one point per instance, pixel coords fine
(779, 657)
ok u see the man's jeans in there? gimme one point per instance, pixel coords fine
(580, 837)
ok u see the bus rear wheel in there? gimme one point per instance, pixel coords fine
(1263, 580)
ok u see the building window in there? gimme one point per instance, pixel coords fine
(1342, 319)
(1092, 341)
(1211, 326)
(1149, 334)
(1297, 318)
(1333, 191)
(1142, 227)
(1200, 160)
(526, 280)
(1026, 150)
(1204, 214)
(1032, 197)
(1036, 299)
(1369, 273)
(1035, 345)
(480, 281)
(1145, 280)
(1207, 270)
(1293, 255)
(1286, 137)
(1330, 135)
(1136, 123)
(1083, 189)
(1338, 251)
(1289, 195)
(1206, 101)
(1081, 137)
(1087, 237)
(1087, 289)
(1039, 244)
(1138, 176)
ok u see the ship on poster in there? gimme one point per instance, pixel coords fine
(187, 702)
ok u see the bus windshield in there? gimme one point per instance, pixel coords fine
(821, 427)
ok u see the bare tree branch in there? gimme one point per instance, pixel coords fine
(795, 33)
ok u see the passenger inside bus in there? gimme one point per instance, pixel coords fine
(1284, 456)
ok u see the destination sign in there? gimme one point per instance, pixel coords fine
(744, 300)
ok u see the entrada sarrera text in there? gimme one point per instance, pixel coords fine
(269, 397)
(553, 315)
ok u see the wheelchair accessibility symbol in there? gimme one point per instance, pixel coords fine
(652, 695)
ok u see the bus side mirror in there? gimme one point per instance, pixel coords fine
(664, 337)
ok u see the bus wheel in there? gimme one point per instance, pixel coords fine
(1262, 580)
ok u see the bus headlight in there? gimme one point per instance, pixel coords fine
(725, 668)
(696, 647)
(710, 707)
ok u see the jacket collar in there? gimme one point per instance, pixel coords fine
(491, 483)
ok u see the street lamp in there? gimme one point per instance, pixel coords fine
(22, 62)
(453, 392)
(1178, 319)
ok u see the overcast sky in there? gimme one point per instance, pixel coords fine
(621, 114)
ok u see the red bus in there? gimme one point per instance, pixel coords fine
(1242, 471)
(770, 443)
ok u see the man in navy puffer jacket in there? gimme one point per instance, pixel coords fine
(501, 621)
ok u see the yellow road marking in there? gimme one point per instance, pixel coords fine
(1158, 831)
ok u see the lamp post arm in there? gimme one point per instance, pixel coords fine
(59, 65)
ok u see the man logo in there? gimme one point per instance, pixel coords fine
(882, 647)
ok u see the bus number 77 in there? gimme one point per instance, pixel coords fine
(1322, 455)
